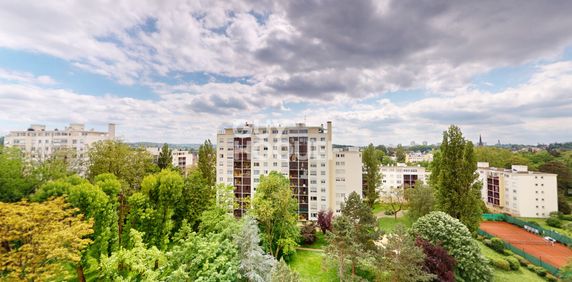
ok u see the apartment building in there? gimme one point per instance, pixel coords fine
(183, 159)
(518, 191)
(416, 157)
(303, 154)
(39, 144)
(401, 175)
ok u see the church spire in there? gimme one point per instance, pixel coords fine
(480, 141)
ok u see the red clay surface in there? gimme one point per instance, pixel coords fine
(556, 255)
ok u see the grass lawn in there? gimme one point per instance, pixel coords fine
(542, 223)
(522, 275)
(320, 242)
(387, 224)
(309, 265)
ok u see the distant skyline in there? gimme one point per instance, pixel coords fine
(384, 72)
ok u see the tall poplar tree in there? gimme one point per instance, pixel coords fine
(207, 162)
(372, 174)
(165, 158)
(454, 179)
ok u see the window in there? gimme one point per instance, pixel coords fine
(313, 198)
(323, 198)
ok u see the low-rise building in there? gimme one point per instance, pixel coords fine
(417, 157)
(401, 175)
(518, 191)
(182, 159)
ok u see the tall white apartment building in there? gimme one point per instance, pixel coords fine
(518, 191)
(401, 175)
(39, 144)
(183, 159)
(320, 177)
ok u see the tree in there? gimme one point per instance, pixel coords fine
(342, 245)
(363, 220)
(421, 200)
(255, 265)
(207, 162)
(400, 154)
(372, 177)
(275, 210)
(403, 258)
(451, 234)
(165, 159)
(395, 198)
(437, 261)
(325, 220)
(454, 179)
(37, 240)
(197, 196)
(14, 184)
(282, 273)
(308, 233)
(499, 157)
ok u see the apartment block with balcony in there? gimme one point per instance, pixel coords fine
(518, 191)
(303, 154)
(401, 175)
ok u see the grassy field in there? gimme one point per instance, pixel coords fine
(309, 264)
(522, 275)
(387, 224)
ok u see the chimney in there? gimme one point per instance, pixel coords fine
(111, 131)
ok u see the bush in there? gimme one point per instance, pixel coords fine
(308, 233)
(533, 224)
(497, 245)
(540, 271)
(554, 222)
(567, 217)
(501, 264)
(531, 267)
(508, 252)
(513, 262)
(487, 242)
(555, 214)
(551, 278)
(521, 260)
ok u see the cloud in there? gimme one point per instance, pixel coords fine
(25, 77)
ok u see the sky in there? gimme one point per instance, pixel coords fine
(384, 72)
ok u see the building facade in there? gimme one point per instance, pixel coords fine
(182, 159)
(39, 144)
(303, 154)
(416, 157)
(401, 175)
(518, 191)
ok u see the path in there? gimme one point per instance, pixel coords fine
(310, 249)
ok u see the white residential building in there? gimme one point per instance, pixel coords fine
(39, 144)
(518, 191)
(402, 175)
(183, 159)
(416, 157)
(302, 153)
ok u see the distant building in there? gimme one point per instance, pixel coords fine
(416, 157)
(39, 144)
(183, 159)
(320, 177)
(402, 175)
(518, 191)
(480, 144)
(424, 143)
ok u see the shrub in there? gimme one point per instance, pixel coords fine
(555, 214)
(308, 233)
(540, 271)
(554, 222)
(531, 267)
(551, 278)
(325, 220)
(508, 252)
(437, 261)
(567, 217)
(487, 242)
(513, 262)
(497, 245)
(533, 224)
(501, 264)
(521, 260)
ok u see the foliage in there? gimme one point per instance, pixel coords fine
(282, 273)
(403, 258)
(207, 162)
(499, 157)
(343, 246)
(325, 220)
(566, 272)
(372, 176)
(38, 239)
(497, 245)
(421, 200)
(440, 228)
(454, 179)
(362, 220)
(275, 210)
(14, 183)
(514, 263)
(395, 198)
(197, 196)
(437, 261)
(400, 154)
(165, 159)
(501, 264)
(308, 233)
(255, 265)
(136, 263)
(554, 222)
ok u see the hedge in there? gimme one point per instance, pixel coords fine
(501, 264)
(513, 262)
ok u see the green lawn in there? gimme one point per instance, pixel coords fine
(542, 223)
(522, 275)
(309, 265)
(387, 224)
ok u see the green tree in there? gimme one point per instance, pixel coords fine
(400, 154)
(275, 209)
(499, 157)
(454, 179)
(363, 220)
(165, 159)
(343, 247)
(255, 265)
(197, 197)
(14, 183)
(403, 258)
(207, 162)
(372, 176)
(38, 240)
(395, 199)
(283, 273)
(451, 234)
(421, 200)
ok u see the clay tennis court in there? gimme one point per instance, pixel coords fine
(556, 255)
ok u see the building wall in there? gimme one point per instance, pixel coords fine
(347, 175)
(393, 176)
